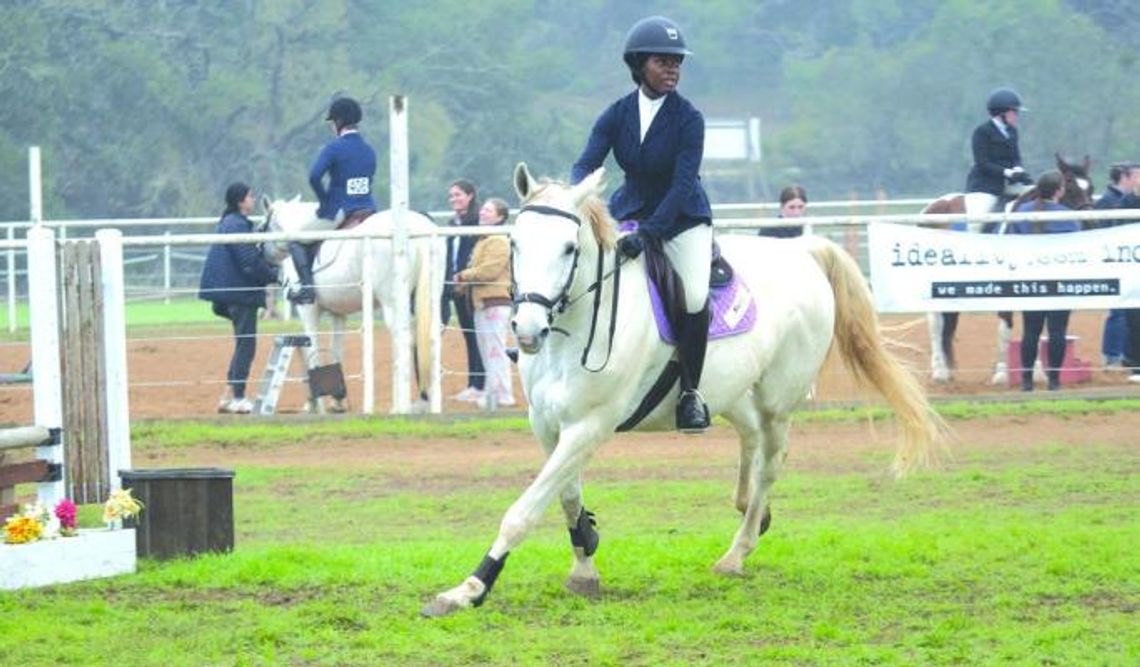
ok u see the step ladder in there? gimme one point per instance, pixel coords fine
(277, 371)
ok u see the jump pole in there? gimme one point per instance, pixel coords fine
(399, 327)
(46, 374)
(115, 353)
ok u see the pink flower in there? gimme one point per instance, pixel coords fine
(65, 512)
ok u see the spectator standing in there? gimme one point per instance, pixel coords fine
(464, 202)
(233, 280)
(487, 278)
(793, 203)
(1050, 189)
(1124, 179)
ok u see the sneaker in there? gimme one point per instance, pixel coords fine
(238, 406)
(468, 395)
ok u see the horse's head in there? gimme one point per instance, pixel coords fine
(284, 215)
(546, 243)
(1078, 184)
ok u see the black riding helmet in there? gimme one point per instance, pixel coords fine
(1002, 100)
(655, 34)
(344, 111)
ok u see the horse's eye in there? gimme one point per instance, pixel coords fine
(568, 250)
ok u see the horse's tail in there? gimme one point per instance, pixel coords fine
(863, 349)
(423, 308)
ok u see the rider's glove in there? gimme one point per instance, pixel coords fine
(631, 245)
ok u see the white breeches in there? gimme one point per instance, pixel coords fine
(690, 253)
(491, 332)
(979, 203)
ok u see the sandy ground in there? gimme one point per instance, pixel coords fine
(180, 373)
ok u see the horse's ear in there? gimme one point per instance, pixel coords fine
(524, 182)
(266, 203)
(1087, 164)
(1061, 164)
(591, 185)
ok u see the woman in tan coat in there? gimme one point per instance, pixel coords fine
(488, 277)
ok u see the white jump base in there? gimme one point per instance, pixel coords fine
(92, 554)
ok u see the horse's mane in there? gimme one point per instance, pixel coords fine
(593, 209)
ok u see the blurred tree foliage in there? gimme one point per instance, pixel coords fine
(149, 107)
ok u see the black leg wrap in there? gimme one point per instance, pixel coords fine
(487, 572)
(583, 535)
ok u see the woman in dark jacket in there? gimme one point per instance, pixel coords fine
(1050, 189)
(233, 280)
(464, 201)
(657, 138)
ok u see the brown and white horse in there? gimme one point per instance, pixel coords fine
(942, 326)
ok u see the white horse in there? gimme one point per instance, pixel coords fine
(338, 272)
(811, 295)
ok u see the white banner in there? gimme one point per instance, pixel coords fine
(923, 270)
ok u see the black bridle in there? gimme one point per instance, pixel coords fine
(562, 301)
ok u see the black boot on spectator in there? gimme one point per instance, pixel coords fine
(1054, 379)
(1027, 380)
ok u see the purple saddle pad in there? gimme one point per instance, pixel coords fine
(732, 308)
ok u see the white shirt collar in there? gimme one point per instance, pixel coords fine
(647, 110)
(1001, 126)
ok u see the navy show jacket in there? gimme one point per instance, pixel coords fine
(662, 188)
(993, 154)
(235, 273)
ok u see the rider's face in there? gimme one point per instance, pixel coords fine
(793, 208)
(1011, 117)
(661, 73)
(458, 199)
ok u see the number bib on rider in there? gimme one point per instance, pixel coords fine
(357, 186)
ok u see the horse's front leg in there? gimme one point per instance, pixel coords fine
(574, 448)
(939, 368)
(1004, 335)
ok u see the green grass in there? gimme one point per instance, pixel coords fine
(1009, 556)
(249, 433)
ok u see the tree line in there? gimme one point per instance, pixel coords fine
(148, 108)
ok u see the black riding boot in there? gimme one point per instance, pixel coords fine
(303, 262)
(692, 413)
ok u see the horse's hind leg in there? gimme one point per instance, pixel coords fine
(768, 443)
(339, 323)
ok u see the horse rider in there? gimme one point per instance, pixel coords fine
(997, 157)
(657, 138)
(350, 164)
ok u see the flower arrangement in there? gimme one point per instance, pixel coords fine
(121, 505)
(65, 511)
(37, 523)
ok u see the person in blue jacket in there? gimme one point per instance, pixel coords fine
(996, 152)
(1050, 189)
(657, 138)
(1124, 178)
(350, 165)
(233, 280)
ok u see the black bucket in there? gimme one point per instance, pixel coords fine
(186, 511)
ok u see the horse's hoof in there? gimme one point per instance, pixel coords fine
(999, 379)
(941, 376)
(729, 567)
(338, 408)
(586, 587)
(440, 607)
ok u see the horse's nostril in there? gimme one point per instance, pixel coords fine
(514, 326)
(544, 332)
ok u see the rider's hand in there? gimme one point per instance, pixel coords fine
(631, 245)
(1022, 177)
